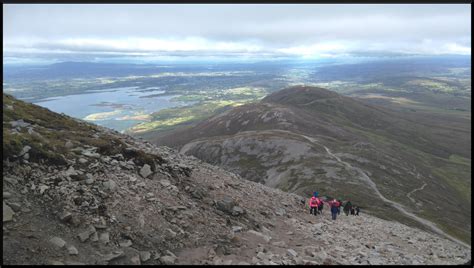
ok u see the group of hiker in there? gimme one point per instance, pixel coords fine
(316, 205)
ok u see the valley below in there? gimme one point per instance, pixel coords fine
(193, 147)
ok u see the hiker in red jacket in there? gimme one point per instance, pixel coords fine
(313, 204)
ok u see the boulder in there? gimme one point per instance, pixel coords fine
(145, 171)
(291, 252)
(198, 192)
(25, 150)
(7, 213)
(104, 238)
(10, 180)
(58, 242)
(167, 260)
(7, 195)
(135, 260)
(280, 244)
(15, 206)
(126, 243)
(68, 144)
(112, 256)
(145, 256)
(86, 234)
(65, 216)
(236, 211)
(72, 250)
(110, 185)
(236, 229)
(165, 183)
(43, 188)
(265, 237)
(225, 205)
(280, 212)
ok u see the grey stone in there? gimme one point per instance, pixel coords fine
(90, 154)
(225, 205)
(280, 212)
(7, 213)
(65, 216)
(126, 243)
(170, 233)
(74, 263)
(261, 256)
(7, 195)
(165, 183)
(72, 250)
(58, 242)
(86, 234)
(104, 237)
(227, 262)
(70, 171)
(145, 171)
(265, 237)
(11, 180)
(198, 192)
(135, 260)
(281, 244)
(145, 256)
(113, 256)
(15, 206)
(68, 144)
(110, 185)
(43, 188)
(82, 160)
(291, 252)
(94, 237)
(168, 260)
(236, 229)
(236, 211)
(25, 150)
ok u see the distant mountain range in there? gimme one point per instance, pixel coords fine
(305, 139)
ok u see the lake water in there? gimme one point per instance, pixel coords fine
(112, 107)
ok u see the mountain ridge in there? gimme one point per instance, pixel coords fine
(76, 193)
(380, 142)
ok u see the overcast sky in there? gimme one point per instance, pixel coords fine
(52, 31)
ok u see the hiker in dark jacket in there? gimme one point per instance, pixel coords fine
(347, 208)
(320, 207)
(357, 210)
(339, 205)
(353, 212)
(334, 209)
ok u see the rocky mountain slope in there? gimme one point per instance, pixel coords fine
(76, 193)
(304, 138)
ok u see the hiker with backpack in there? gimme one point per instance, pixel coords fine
(347, 208)
(313, 204)
(320, 206)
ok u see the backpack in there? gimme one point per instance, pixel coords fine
(314, 201)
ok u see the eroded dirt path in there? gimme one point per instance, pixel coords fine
(396, 205)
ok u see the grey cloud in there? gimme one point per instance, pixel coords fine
(270, 26)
